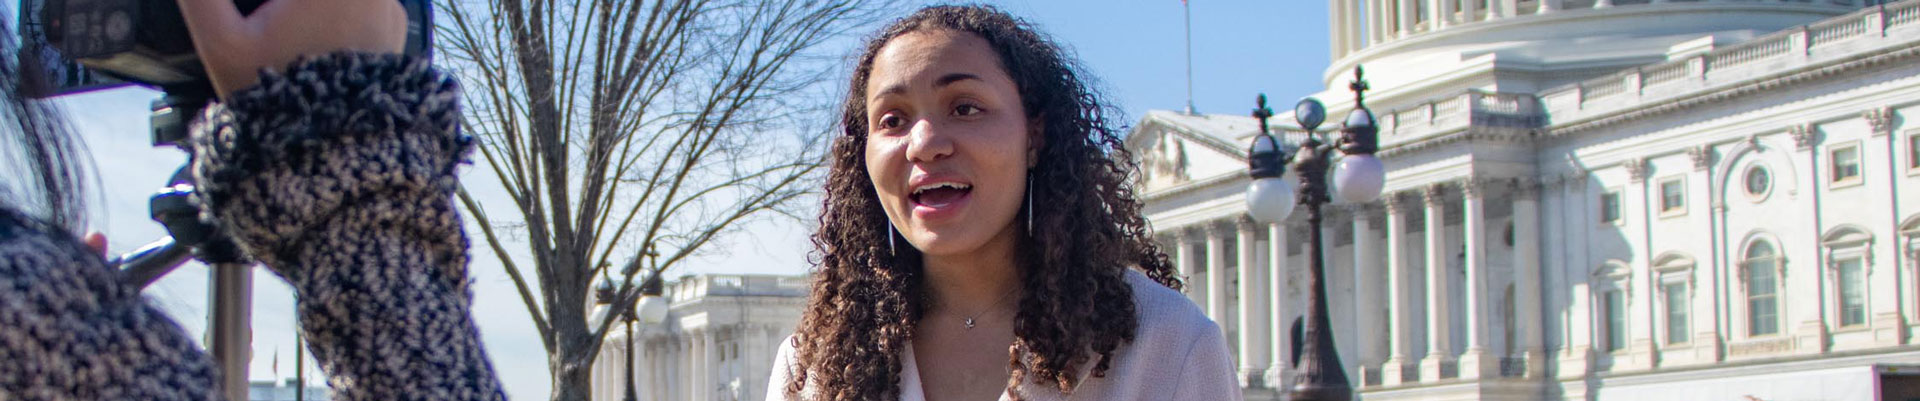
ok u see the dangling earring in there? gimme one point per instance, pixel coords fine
(1029, 203)
(890, 249)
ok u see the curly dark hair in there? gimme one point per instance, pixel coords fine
(1076, 307)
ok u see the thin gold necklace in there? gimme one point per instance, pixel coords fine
(988, 308)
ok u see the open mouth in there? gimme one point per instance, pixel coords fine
(939, 194)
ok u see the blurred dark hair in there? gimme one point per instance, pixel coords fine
(1076, 307)
(46, 162)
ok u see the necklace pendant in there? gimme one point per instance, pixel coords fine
(969, 323)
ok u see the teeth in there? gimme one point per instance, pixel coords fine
(924, 188)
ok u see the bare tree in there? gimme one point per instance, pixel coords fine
(622, 129)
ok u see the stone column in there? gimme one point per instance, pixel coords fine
(1883, 273)
(759, 358)
(1637, 212)
(637, 379)
(657, 368)
(1374, 12)
(1576, 360)
(1705, 291)
(1338, 290)
(1217, 279)
(1280, 324)
(1439, 316)
(677, 377)
(1399, 367)
(1477, 361)
(1369, 305)
(1187, 263)
(1469, 11)
(1407, 16)
(699, 359)
(1527, 266)
(1801, 281)
(1253, 306)
(1356, 26)
(1336, 27)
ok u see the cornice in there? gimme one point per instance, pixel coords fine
(1756, 85)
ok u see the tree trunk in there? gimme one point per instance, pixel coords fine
(572, 382)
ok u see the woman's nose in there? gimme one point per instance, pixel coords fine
(927, 142)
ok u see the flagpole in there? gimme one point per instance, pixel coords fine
(1187, 11)
(299, 365)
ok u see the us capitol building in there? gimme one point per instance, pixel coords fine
(717, 343)
(1586, 200)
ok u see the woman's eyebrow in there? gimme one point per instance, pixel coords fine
(949, 79)
(941, 82)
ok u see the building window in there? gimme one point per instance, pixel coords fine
(1913, 152)
(1616, 312)
(1757, 182)
(1846, 164)
(1673, 197)
(1677, 304)
(1853, 291)
(1762, 265)
(1610, 207)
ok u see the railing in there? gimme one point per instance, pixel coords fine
(1902, 13)
(1837, 29)
(1602, 87)
(1807, 42)
(1758, 49)
(1665, 72)
(1458, 111)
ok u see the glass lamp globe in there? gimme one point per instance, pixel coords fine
(1359, 178)
(653, 309)
(1270, 200)
(600, 312)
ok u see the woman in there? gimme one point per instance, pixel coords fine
(329, 159)
(980, 240)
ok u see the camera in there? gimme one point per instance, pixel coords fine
(71, 46)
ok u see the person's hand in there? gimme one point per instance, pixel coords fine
(234, 47)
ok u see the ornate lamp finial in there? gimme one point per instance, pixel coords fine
(1261, 112)
(1359, 87)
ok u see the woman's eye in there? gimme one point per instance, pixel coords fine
(966, 110)
(890, 121)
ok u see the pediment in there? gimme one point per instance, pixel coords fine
(1171, 155)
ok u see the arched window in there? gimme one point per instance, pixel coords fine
(1761, 276)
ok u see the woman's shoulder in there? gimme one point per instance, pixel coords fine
(1165, 316)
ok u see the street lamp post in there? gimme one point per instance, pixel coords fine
(652, 309)
(1271, 198)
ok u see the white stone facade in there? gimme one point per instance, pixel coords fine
(717, 343)
(1586, 200)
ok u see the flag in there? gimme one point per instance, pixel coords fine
(276, 364)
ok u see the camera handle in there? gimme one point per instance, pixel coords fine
(190, 237)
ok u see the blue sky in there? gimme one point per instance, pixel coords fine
(1137, 50)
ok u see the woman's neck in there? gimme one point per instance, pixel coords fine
(970, 283)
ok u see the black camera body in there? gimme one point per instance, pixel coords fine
(73, 46)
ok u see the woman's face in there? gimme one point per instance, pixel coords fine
(947, 141)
